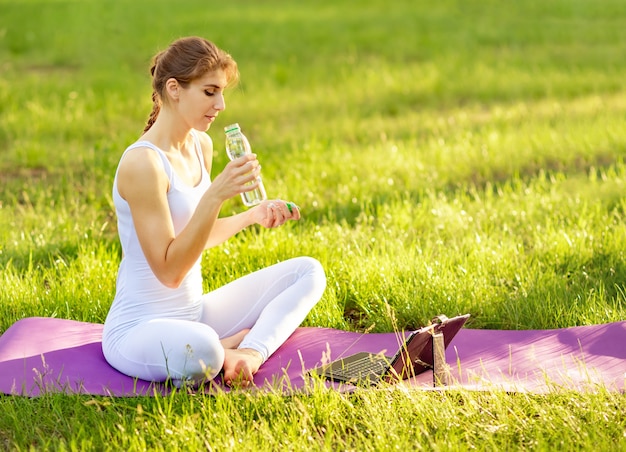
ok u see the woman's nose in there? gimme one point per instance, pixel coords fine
(220, 103)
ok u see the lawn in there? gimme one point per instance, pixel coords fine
(452, 157)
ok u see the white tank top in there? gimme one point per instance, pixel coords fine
(139, 294)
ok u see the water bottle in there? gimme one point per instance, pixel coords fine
(237, 145)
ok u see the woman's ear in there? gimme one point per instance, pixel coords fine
(172, 88)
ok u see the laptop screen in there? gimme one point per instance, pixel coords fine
(418, 349)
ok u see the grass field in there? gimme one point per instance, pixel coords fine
(452, 157)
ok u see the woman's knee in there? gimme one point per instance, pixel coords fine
(311, 266)
(202, 360)
(178, 351)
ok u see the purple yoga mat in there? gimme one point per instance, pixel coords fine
(46, 354)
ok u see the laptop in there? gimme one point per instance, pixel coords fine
(412, 358)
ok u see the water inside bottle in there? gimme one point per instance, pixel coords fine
(236, 146)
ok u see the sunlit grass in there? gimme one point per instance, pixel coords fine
(323, 420)
(448, 157)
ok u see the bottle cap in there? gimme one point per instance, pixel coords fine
(231, 127)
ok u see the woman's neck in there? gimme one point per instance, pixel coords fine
(167, 134)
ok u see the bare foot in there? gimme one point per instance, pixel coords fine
(240, 365)
(234, 340)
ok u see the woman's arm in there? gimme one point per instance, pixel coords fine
(268, 213)
(142, 182)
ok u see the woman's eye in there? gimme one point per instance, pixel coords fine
(209, 93)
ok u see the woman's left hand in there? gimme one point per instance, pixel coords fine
(276, 212)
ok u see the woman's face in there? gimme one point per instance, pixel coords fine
(203, 99)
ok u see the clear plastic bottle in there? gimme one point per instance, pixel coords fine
(237, 145)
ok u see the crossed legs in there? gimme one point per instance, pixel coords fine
(241, 325)
(267, 305)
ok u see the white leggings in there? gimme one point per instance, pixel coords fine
(272, 302)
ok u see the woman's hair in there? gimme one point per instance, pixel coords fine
(185, 60)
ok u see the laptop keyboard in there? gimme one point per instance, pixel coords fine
(362, 367)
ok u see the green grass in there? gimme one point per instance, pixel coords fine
(324, 420)
(459, 156)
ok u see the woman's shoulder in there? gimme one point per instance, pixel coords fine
(206, 147)
(141, 155)
(204, 140)
(140, 160)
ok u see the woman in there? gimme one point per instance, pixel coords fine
(160, 325)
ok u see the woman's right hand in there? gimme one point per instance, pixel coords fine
(236, 177)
